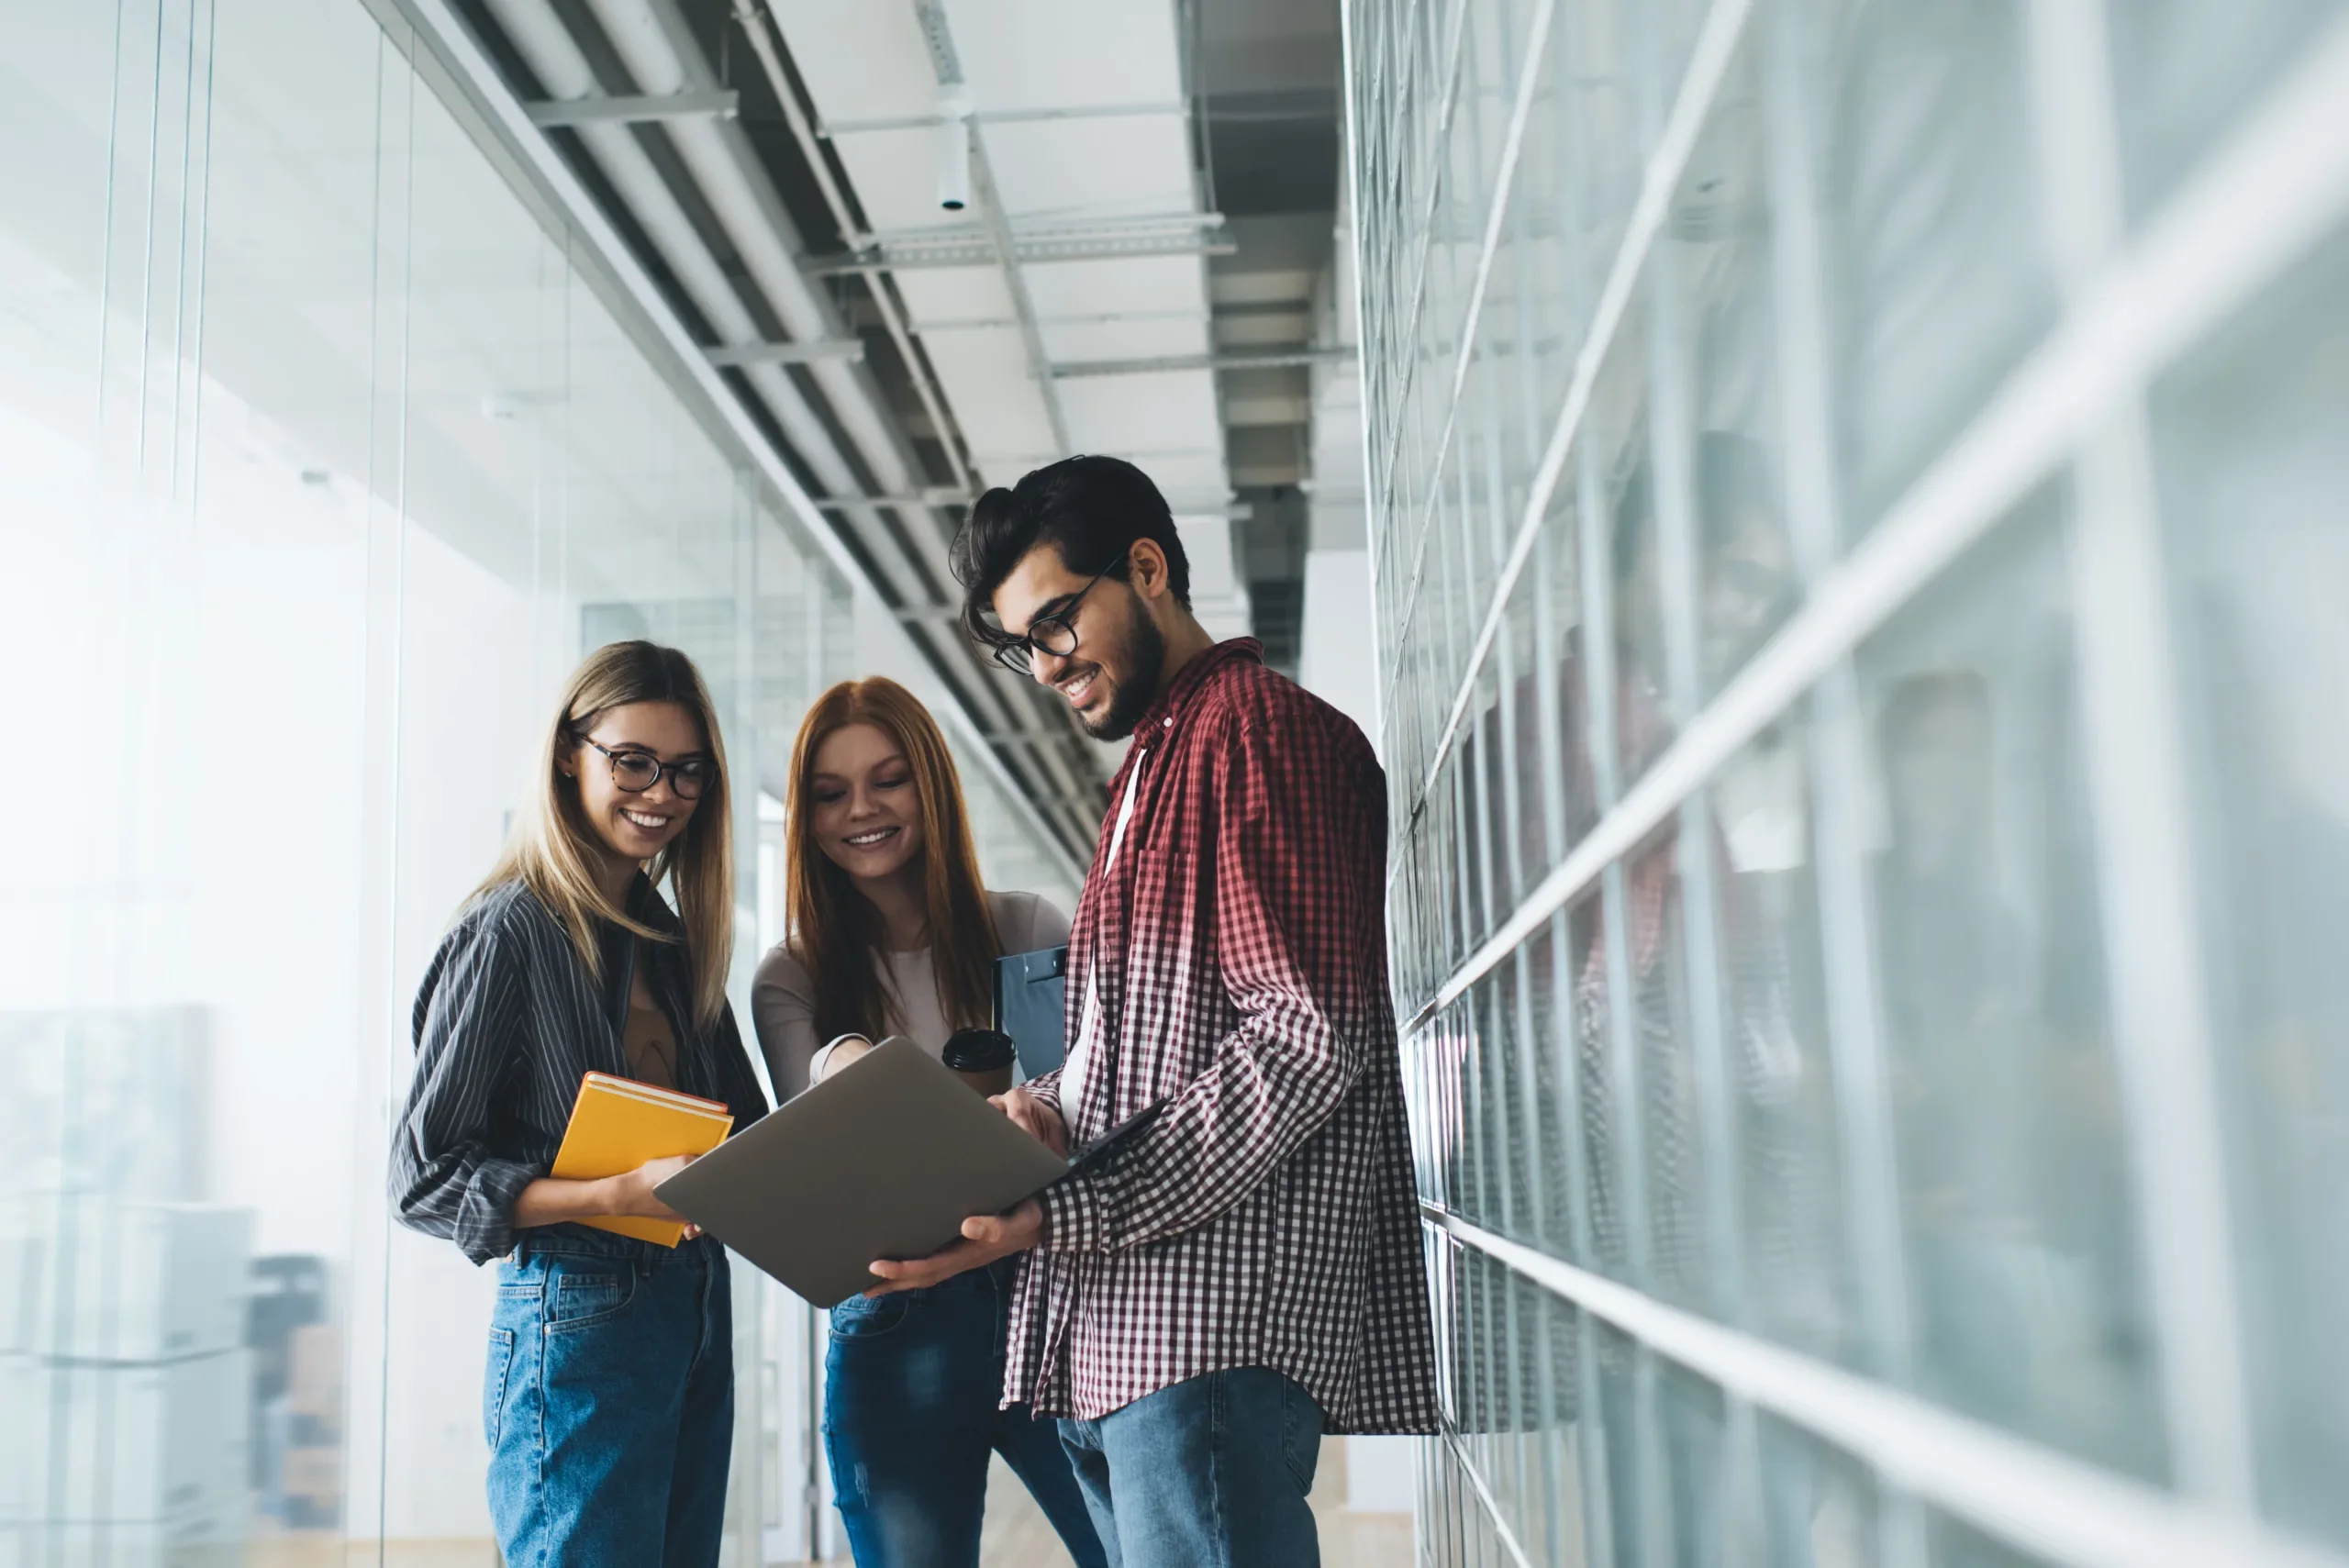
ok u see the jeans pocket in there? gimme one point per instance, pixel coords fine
(496, 1375)
(581, 1298)
(860, 1318)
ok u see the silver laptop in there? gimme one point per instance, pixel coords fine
(885, 1158)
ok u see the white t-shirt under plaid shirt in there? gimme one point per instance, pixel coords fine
(1234, 952)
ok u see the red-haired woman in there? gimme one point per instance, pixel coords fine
(891, 933)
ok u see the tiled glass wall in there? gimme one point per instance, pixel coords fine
(1862, 588)
(321, 465)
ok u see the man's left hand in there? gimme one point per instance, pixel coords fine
(986, 1237)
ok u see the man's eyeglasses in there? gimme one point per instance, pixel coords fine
(1054, 634)
(637, 771)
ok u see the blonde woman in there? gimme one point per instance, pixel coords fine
(610, 1395)
(891, 933)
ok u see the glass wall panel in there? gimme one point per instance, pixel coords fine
(1956, 1545)
(1790, 1237)
(1718, 267)
(1818, 1506)
(2183, 74)
(321, 465)
(2250, 473)
(1822, 755)
(1935, 279)
(1700, 1491)
(2029, 1301)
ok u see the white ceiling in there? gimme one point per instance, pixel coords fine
(868, 61)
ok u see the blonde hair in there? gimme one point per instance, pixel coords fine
(834, 930)
(553, 851)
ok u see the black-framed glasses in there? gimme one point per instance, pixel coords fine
(637, 771)
(1054, 634)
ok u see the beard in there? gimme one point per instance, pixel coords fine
(1132, 669)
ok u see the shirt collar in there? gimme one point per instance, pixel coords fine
(1187, 682)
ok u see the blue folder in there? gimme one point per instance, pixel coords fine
(1031, 1007)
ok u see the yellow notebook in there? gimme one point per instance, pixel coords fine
(617, 1124)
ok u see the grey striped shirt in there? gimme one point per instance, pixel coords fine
(506, 1023)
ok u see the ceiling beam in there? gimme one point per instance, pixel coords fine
(911, 255)
(634, 108)
(1241, 359)
(936, 495)
(1000, 117)
(731, 356)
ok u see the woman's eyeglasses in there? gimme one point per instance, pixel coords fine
(1054, 634)
(637, 771)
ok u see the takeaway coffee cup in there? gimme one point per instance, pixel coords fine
(982, 1057)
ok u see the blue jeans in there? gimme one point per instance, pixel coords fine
(912, 1382)
(608, 1403)
(1211, 1473)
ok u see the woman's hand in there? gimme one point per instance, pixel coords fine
(552, 1200)
(1037, 1119)
(632, 1194)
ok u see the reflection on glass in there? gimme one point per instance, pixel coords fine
(1617, 430)
(1679, 1256)
(1774, 1040)
(1512, 1210)
(1567, 1435)
(1621, 1432)
(2251, 471)
(2183, 72)
(1694, 1422)
(1646, 716)
(1566, 787)
(1955, 1545)
(1552, 1042)
(1603, 1201)
(1897, 871)
(1935, 281)
(1721, 270)
(2026, 1296)
(1745, 586)
(1513, 1464)
(1599, 53)
(1540, 278)
(1453, 1379)
(1818, 1506)
(1522, 665)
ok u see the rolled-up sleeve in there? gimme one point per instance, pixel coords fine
(445, 1179)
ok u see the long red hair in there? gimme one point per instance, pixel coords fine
(835, 931)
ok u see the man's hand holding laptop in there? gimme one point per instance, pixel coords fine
(985, 1237)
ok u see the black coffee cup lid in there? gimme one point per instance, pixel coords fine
(979, 1050)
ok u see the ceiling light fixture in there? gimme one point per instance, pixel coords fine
(953, 147)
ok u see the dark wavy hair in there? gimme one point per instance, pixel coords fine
(1090, 509)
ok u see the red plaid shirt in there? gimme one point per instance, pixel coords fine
(1237, 947)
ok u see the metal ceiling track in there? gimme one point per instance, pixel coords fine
(910, 255)
(1038, 784)
(1230, 360)
(636, 108)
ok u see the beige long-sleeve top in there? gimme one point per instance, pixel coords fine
(783, 1003)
